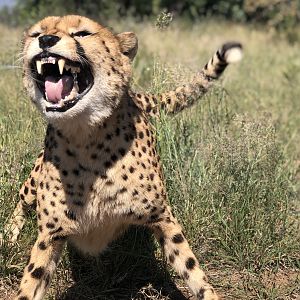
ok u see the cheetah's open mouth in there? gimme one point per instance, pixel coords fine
(61, 81)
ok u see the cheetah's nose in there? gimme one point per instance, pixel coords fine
(47, 41)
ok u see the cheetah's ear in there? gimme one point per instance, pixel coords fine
(128, 44)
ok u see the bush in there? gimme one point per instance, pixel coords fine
(275, 13)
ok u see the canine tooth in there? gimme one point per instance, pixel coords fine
(61, 64)
(76, 87)
(39, 66)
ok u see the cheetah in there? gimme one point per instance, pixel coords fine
(99, 171)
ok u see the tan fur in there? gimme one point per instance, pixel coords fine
(99, 172)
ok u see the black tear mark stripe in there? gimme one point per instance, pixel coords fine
(81, 53)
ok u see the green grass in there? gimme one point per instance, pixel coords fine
(231, 165)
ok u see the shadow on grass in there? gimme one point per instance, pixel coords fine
(122, 272)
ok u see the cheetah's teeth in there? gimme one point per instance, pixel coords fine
(61, 64)
(48, 60)
(39, 66)
(73, 69)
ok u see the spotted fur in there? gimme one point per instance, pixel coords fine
(100, 172)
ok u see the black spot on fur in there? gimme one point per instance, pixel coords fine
(69, 152)
(190, 263)
(177, 238)
(122, 190)
(185, 275)
(108, 137)
(100, 146)
(135, 193)
(153, 209)
(114, 157)
(154, 218)
(70, 214)
(59, 229)
(131, 169)
(171, 258)
(38, 272)
(42, 245)
(76, 172)
(59, 238)
(30, 267)
(94, 156)
(122, 151)
(200, 294)
(148, 108)
(50, 225)
(107, 164)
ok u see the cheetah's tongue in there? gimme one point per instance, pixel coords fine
(58, 88)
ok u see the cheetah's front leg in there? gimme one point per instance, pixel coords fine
(181, 258)
(27, 201)
(38, 273)
(17, 220)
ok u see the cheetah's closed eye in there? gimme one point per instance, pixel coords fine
(99, 171)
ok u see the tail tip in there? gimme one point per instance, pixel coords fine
(232, 52)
